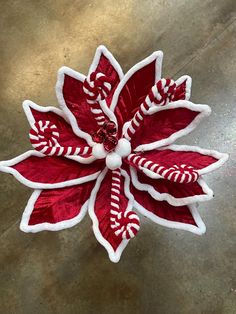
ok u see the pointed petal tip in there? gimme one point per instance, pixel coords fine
(114, 258)
(102, 48)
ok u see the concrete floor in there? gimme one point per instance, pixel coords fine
(161, 271)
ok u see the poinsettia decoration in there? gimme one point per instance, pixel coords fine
(109, 151)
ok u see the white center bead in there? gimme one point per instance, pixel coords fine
(113, 159)
(123, 148)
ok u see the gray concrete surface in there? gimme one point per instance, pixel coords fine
(161, 271)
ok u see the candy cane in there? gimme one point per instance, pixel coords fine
(44, 137)
(181, 174)
(160, 94)
(125, 223)
(97, 87)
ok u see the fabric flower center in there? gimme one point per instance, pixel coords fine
(108, 146)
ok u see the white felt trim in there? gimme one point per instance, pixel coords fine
(28, 104)
(5, 166)
(113, 255)
(24, 225)
(199, 229)
(103, 50)
(82, 160)
(188, 80)
(203, 110)
(59, 92)
(222, 157)
(168, 197)
(110, 114)
(157, 55)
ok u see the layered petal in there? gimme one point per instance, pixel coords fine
(56, 117)
(183, 88)
(135, 86)
(102, 214)
(176, 194)
(56, 209)
(82, 99)
(181, 217)
(163, 125)
(104, 62)
(37, 171)
(73, 101)
(202, 160)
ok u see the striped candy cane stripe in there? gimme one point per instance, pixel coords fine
(44, 137)
(160, 94)
(97, 87)
(125, 223)
(180, 174)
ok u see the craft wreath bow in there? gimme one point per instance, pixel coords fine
(109, 150)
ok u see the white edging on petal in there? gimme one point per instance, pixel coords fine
(5, 166)
(200, 229)
(157, 55)
(113, 255)
(203, 110)
(188, 80)
(28, 104)
(24, 225)
(110, 114)
(222, 157)
(170, 198)
(59, 92)
(103, 50)
(81, 160)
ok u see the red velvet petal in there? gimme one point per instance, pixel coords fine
(177, 190)
(53, 170)
(53, 206)
(162, 124)
(134, 91)
(67, 136)
(105, 67)
(183, 88)
(163, 209)
(102, 209)
(197, 159)
(76, 102)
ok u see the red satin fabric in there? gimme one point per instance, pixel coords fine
(134, 92)
(57, 205)
(102, 210)
(163, 209)
(161, 125)
(55, 169)
(169, 158)
(178, 190)
(67, 136)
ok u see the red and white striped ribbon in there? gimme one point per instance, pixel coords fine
(44, 137)
(97, 87)
(181, 174)
(125, 223)
(160, 94)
